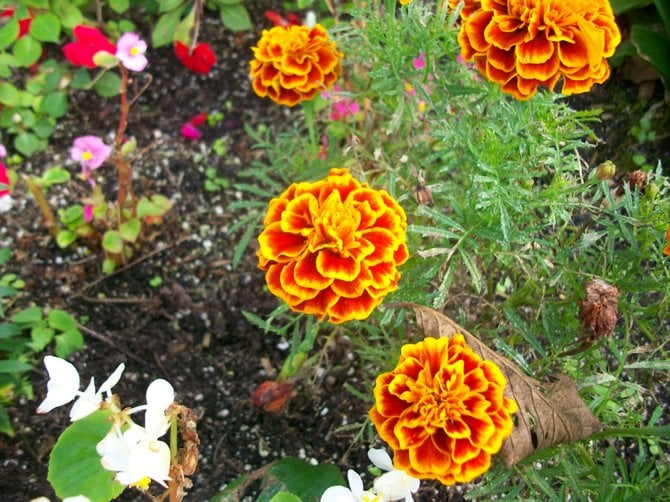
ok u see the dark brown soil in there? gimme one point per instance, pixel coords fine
(190, 330)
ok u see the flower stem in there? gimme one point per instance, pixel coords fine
(38, 193)
(125, 175)
(299, 349)
(308, 107)
(173, 440)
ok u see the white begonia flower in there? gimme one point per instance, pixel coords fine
(354, 493)
(63, 387)
(137, 454)
(394, 484)
(6, 203)
(78, 498)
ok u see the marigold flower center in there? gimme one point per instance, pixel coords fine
(335, 227)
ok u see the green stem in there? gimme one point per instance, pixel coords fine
(308, 108)
(299, 349)
(174, 447)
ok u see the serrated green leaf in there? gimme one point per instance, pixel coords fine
(61, 320)
(68, 342)
(64, 238)
(165, 28)
(46, 27)
(11, 366)
(112, 242)
(28, 315)
(74, 464)
(108, 85)
(130, 230)
(235, 17)
(27, 51)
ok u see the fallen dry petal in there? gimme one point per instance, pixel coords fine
(548, 414)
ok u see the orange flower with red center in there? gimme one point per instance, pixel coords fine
(442, 410)
(293, 63)
(523, 44)
(331, 248)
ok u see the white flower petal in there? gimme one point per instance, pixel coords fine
(396, 485)
(112, 380)
(380, 458)
(160, 395)
(355, 483)
(338, 494)
(87, 403)
(63, 384)
(78, 498)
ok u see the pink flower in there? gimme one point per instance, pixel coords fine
(90, 152)
(130, 49)
(189, 131)
(343, 108)
(3, 151)
(419, 63)
(88, 213)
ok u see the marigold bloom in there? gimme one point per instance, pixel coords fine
(293, 63)
(331, 248)
(666, 249)
(442, 410)
(523, 44)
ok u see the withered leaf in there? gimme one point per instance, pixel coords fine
(548, 414)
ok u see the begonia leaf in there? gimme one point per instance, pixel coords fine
(69, 14)
(9, 33)
(108, 85)
(130, 230)
(112, 242)
(26, 143)
(9, 94)
(46, 27)
(68, 342)
(64, 238)
(548, 414)
(11, 366)
(285, 497)
(61, 320)
(297, 476)
(74, 464)
(55, 104)
(53, 176)
(119, 6)
(235, 17)
(165, 28)
(27, 50)
(28, 315)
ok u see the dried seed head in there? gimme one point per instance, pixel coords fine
(637, 179)
(605, 170)
(272, 396)
(598, 312)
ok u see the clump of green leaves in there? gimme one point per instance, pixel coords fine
(24, 335)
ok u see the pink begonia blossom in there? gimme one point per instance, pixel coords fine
(90, 152)
(88, 213)
(419, 63)
(3, 151)
(130, 49)
(189, 131)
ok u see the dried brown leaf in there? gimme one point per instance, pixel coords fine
(548, 414)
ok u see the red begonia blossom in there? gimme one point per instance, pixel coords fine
(89, 41)
(200, 60)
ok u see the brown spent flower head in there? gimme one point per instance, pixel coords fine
(442, 410)
(293, 63)
(598, 312)
(524, 44)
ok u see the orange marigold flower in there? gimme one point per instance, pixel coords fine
(523, 44)
(442, 410)
(331, 248)
(293, 63)
(666, 249)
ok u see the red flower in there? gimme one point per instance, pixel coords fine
(24, 24)
(89, 42)
(198, 120)
(279, 20)
(200, 60)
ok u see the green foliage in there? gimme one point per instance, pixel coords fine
(24, 335)
(74, 463)
(507, 222)
(285, 478)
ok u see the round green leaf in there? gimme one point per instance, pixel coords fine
(9, 94)
(112, 242)
(54, 176)
(45, 27)
(26, 143)
(74, 464)
(61, 320)
(55, 104)
(130, 230)
(69, 14)
(235, 17)
(27, 51)
(9, 33)
(108, 266)
(108, 85)
(65, 238)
